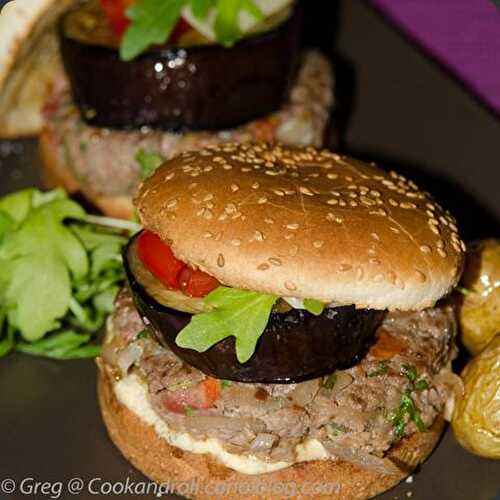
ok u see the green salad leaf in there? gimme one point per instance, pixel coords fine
(152, 21)
(313, 306)
(60, 271)
(242, 314)
(148, 162)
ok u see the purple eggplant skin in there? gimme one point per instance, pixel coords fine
(205, 87)
(294, 347)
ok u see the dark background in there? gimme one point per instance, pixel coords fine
(396, 107)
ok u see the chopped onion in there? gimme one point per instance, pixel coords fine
(304, 392)
(205, 423)
(456, 386)
(263, 441)
(129, 356)
(362, 459)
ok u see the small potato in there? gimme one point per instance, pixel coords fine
(476, 419)
(479, 313)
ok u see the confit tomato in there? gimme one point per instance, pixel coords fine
(201, 396)
(159, 259)
(115, 12)
(196, 283)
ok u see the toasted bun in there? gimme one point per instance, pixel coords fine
(140, 444)
(29, 58)
(57, 174)
(304, 223)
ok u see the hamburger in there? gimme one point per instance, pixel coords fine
(109, 111)
(285, 322)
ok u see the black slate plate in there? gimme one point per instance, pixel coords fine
(406, 113)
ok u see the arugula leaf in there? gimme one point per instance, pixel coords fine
(226, 26)
(242, 314)
(64, 345)
(59, 267)
(315, 307)
(381, 369)
(152, 23)
(201, 8)
(330, 381)
(410, 372)
(148, 161)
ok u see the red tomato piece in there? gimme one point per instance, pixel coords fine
(181, 28)
(159, 259)
(201, 396)
(115, 12)
(196, 283)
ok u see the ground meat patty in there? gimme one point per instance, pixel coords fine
(97, 155)
(364, 408)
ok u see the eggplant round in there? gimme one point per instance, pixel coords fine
(295, 346)
(203, 87)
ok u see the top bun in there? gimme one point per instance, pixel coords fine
(304, 223)
(29, 60)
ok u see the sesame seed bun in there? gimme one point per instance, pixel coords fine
(158, 460)
(304, 223)
(29, 58)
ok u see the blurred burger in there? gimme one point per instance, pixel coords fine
(118, 86)
(281, 323)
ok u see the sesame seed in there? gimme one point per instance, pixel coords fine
(425, 249)
(262, 200)
(344, 267)
(290, 285)
(380, 211)
(234, 188)
(255, 185)
(442, 253)
(172, 203)
(378, 277)
(236, 243)
(263, 267)
(407, 205)
(318, 244)
(393, 202)
(333, 201)
(306, 191)
(420, 276)
(275, 261)
(289, 236)
(332, 176)
(269, 221)
(207, 235)
(170, 176)
(353, 203)
(220, 260)
(374, 261)
(208, 197)
(279, 192)
(462, 246)
(207, 213)
(259, 236)
(435, 229)
(292, 226)
(375, 236)
(367, 201)
(440, 244)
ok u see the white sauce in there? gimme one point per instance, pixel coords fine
(132, 393)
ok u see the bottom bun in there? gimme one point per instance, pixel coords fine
(158, 460)
(57, 174)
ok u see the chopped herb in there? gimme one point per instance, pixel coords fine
(315, 307)
(406, 410)
(421, 385)
(463, 290)
(143, 334)
(410, 371)
(225, 383)
(330, 381)
(148, 161)
(334, 430)
(189, 410)
(381, 369)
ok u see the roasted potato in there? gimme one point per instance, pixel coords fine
(476, 419)
(479, 312)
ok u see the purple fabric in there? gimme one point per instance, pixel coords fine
(463, 35)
